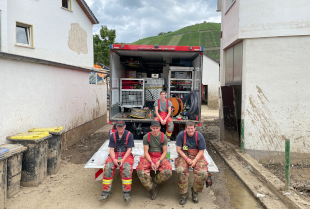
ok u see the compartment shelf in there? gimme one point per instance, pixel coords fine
(132, 90)
(174, 82)
(179, 92)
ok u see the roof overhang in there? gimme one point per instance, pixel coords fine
(87, 11)
(4, 55)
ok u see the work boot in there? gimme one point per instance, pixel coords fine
(126, 196)
(104, 196)
(183, 199)
(153, 192)
(195, 197)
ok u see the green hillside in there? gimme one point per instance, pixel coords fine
(204, 34)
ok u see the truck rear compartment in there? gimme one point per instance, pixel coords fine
(138, 76)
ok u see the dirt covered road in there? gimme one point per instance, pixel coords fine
(74, 187)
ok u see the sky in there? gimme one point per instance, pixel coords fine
(137, 19)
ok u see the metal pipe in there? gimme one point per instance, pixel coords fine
(287, 164)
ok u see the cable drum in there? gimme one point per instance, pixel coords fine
(138, 113)
(177, 104)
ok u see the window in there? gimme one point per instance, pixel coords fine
(24, 34)
(233, 63)
(66, 4)
(228, 4)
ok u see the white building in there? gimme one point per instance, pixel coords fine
(265, 60)
(46, 54)
(210, 81)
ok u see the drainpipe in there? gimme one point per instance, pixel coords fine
(287, 164)
(242, 135)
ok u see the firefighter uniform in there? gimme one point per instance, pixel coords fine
(191, 147)
(163, 112)
(164, 171)
(121, 146)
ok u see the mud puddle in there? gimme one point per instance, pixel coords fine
(239, 196)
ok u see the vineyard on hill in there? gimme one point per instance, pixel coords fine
(204, 34)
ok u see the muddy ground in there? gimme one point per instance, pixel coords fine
(299, 177)
(74, 186)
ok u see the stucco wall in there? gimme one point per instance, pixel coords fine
(49, 36)
(230, 24)
(210, 77)
(273, 18)
(276, 100)
(3, 25)
(34, 95)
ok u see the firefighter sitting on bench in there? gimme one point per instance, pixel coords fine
(155, 158)
(163, 112)
(190, 146)
(121, 143)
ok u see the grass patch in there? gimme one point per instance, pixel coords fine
(217, 37)
(166, 40)
(203, 26)
(195, 28)
(189, 36)
(156, 41)
(146, 42)
(184, 30)
(207, 39)
(214, 26)
(215, 54)
(139, 42)
(194, 41)
(175, 40)
(184, 39)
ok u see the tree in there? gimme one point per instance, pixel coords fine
(102, 43)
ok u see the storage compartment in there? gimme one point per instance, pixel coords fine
(133, 82)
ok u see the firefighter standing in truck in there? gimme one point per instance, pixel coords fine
(155, 153)
(121, 142)
(190, 147)
(163, 113)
